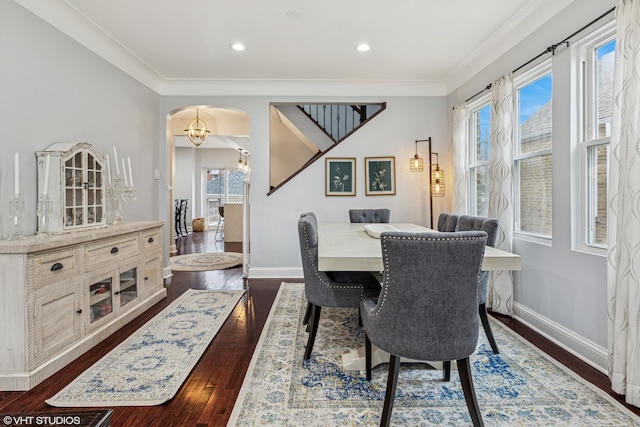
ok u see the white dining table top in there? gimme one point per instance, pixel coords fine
(348, 247)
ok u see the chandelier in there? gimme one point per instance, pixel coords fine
(197, 131)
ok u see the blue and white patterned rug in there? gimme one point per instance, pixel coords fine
(518, 387)
(149, 367)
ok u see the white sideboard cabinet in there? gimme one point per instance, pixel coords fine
(63, 294)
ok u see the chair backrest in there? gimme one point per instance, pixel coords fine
(480, 223)
(448, 222)
(369, 215)
(428, 306)
(318, 286)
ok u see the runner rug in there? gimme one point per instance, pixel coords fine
(518, 387)
(149, 367)
(206, 261)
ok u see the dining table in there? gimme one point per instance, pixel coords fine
(356, 247)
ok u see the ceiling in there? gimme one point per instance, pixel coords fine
(418, 47)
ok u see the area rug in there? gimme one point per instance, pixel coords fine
(205, 261)
(518, 387)
(149, 367)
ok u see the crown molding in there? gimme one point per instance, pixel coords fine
(529, 18)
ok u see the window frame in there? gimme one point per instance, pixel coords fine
(587, 139)
(525, 78)
(473, 163)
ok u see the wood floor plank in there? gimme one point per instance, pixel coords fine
(207, 397)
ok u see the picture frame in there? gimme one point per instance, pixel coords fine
(340, 176)
(380, 176)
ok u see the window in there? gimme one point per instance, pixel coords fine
(597, 53)
(533, 177)
(479, 142)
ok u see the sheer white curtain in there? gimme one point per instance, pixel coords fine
(624, 209)
(460, 158)
(500, 186)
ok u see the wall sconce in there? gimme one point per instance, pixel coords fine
(197, 131)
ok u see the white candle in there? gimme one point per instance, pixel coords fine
(126, 181)
(108, 170)
(16, 174)
(130, 174)
(115, 160)
(45, 190)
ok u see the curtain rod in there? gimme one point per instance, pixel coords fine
(551, 49)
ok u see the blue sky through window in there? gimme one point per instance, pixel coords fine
(534, 95)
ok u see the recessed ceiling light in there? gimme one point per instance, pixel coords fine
(238, 46)
(294, 14)
(363, 47)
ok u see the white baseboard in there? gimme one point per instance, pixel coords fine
(166, 272)
(585, 350)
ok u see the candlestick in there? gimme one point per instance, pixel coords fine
(115, 160)
(16, 210)
(108, 170)
(16, 174)
(45, 190)
(124, 172)
(43, 210)
(130, 174)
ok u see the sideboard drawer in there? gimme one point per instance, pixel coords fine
(54, 266)
(108, 251)
(151, 241)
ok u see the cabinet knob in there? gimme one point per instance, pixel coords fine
(116, 293)
(146, 278)
(57, 266)
(79, 311)
(114, 250)
(150, 240)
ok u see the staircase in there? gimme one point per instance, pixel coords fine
(339, 121)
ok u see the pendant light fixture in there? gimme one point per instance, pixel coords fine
(416, 163)
(197, 131)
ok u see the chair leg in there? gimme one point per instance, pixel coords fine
(482, 309)
(315, 319)
(464, 369)
(392, 381)
(446, 370)
(305, 319)
(367, 353)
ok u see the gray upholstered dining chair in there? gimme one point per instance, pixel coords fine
(489, 226)
(369, 215)
(328, 289)
(427, 308)
(448, 222)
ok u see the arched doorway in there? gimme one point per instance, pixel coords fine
(228, 141)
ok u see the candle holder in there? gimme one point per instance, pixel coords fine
(16, 210)
(43, 210)
(118, 193)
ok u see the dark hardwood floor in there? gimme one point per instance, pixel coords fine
(208, 395)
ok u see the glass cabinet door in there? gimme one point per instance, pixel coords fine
(84, 190)
(100, 299)
(74, 196)
(95, 200)
(128, 286)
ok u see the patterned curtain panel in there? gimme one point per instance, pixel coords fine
(460, 158)
(624, 209)
(500, 194)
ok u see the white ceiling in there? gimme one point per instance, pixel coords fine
(419, 47)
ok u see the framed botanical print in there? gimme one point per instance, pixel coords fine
(340, 176)
(380, 175)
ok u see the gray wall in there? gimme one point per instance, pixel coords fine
(54, 90)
